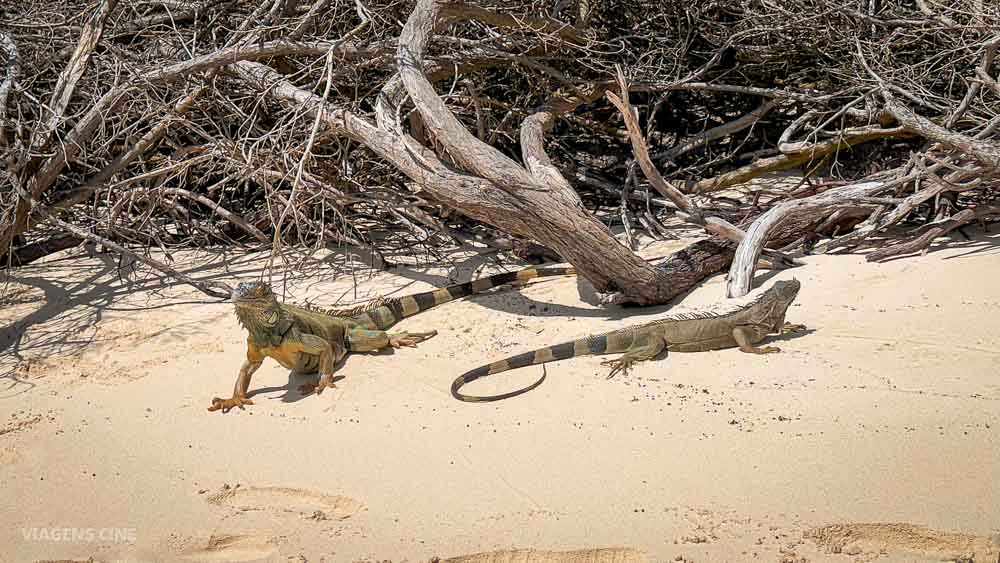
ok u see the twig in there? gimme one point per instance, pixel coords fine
(63, 91)
(151, 137)
(300, 169)
(718, 132)
(805, 153)
(938, 229)
(214, 289)
(986, 153)
(688, 210)
(9, 48)
(984, 68)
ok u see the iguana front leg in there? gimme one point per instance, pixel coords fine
(744, 337)
(358, 340)
(312, 344)
(239, 398)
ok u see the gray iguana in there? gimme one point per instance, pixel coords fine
(743, 326)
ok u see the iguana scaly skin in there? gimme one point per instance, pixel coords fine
(743, 326)
(310, 340)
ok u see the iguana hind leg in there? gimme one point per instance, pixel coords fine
(744, 337)
(365, 340)
(325, 381)
(410, 339)
(640, 353)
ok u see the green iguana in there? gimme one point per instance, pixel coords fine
(743, 326)
(309, 340)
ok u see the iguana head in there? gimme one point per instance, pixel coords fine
(781, 295)
(256, 305)
(247, 291)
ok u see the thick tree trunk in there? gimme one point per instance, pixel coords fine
(534, 214)
(533, 201)
(541, 204)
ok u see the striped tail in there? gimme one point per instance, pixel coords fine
(589, 346)
(382, 313)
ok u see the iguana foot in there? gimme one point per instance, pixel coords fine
(324, 382)
(226, 404)
(410, 339)
(619, 365)
(632, 356)
(789, 328)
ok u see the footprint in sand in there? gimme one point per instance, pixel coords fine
(917, 542)
(232, 548)
(285, 499)
(597, 555)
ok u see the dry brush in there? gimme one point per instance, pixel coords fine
(560, 128)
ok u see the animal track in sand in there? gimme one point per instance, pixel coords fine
(595, 555)
(232, 548)
(854, 539)
(286, 499)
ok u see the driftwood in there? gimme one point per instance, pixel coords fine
(808, 209)
(542, 205)
(934, 230)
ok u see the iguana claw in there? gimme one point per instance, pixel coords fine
(620, 365)
(227, 404)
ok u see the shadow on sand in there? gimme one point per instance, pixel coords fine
(70, 295)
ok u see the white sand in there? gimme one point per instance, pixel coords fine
(883, 421)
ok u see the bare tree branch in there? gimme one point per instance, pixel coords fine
(214, 289)
(63, 91)
(935, 230)
(748, 252)
(13, 65)
(724, 130)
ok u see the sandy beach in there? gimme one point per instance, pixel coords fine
(873, 436)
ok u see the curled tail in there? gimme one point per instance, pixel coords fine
(382, 313)
(589, 346)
